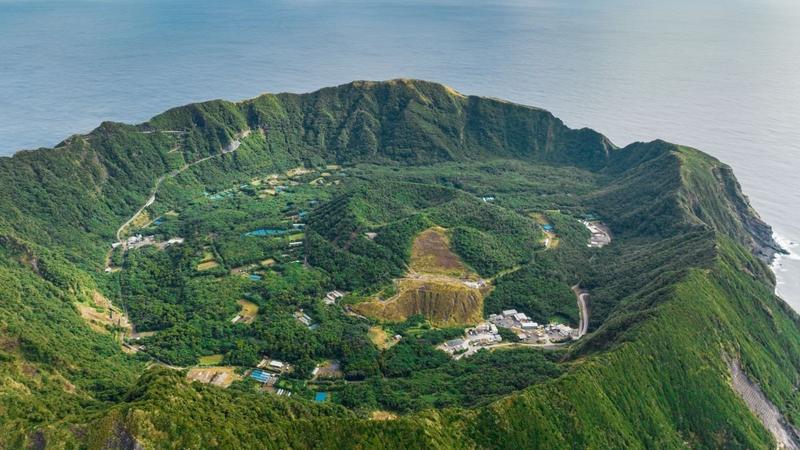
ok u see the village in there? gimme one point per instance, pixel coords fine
(487, 334)
(270, 373)
(274, 375)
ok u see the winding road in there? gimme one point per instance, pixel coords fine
(136, 214)
(583, 305)
(232, 147)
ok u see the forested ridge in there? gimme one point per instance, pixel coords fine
(683, 289)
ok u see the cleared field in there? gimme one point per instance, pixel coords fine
(380, 338)
(298, 171)
(430, 253)
(439, 286)
(101, 315)
(208, 262)
(140, 221)
(383, 415)
(207, 265)
(248, 312)
(210, 360)
(330, 369)
(264, 193)
(221, 376)
(551, 241)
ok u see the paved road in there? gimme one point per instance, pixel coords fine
(583, 306)
(136, 214)
(232, 147)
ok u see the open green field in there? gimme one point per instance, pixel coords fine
(210, 360)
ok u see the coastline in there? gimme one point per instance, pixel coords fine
(782, 266)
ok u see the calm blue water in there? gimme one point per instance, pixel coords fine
(720, 75)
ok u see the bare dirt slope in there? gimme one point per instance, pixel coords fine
(772, 419)
(438, 285)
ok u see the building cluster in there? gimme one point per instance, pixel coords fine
(305, 319)
(531, 332)
(482, 335)
(510, 318)
(268, 373)
(600, 235)
(332, 296)
(138, 241)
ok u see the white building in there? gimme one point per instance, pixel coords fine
(275, 364)
(457, 345)
(520, 317)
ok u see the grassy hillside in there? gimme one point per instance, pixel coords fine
(681, 292)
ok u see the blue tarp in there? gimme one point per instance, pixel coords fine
(321, 397)
(267, 232)
(260, 375)
(255, 277)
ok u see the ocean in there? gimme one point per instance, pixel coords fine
(719, 75)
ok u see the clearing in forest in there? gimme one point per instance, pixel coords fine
(140, 221)
(431, 254)
(208, 262)
(247, 313)
(380, 337)
(221, 376)
(382, 415)
(551, 240)
(102, 316)
(210, 360)
(439, 286)
(207, 265)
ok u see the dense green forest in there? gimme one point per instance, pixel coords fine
(264, 207)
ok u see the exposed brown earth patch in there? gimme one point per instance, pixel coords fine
(439, 286)
(431, 254)
(102, 316)
(221, 376)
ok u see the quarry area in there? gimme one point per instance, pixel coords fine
(438, 285)
(443, 289)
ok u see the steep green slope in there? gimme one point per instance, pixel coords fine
(681, 292)
(666, 385)
(53, 367)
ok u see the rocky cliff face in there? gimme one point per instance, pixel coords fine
(443, 303)
(759, 234)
